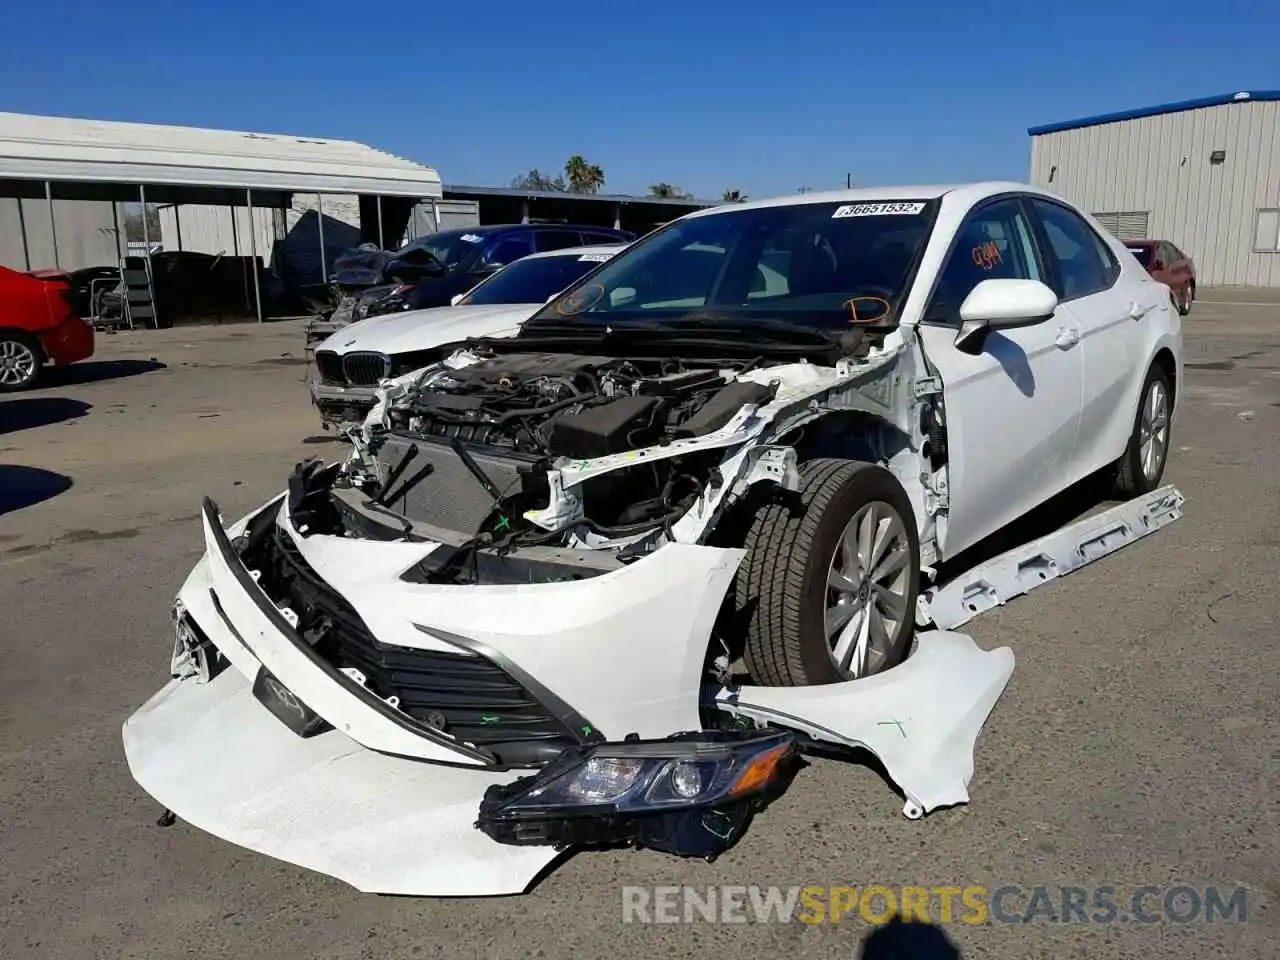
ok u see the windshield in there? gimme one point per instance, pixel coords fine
(452, 248)
(534, 279)
(1143, 253)
(822, 265)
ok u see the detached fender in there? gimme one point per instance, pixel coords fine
(921, 718)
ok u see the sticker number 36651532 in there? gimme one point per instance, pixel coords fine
(875, 209)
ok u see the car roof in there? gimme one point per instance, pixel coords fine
(576, 251)
(492, 228)
(965, 192)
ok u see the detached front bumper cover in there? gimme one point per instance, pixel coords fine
(689, 795)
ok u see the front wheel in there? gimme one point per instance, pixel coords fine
(829, 583)
(21, 360)
(1141, 466)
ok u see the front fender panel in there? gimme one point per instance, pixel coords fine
(921, 719)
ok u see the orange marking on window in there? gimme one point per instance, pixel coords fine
(852, 304)
(987, 255)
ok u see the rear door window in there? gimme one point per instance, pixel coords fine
(1084, 262)
(558, 239)
(508, 249)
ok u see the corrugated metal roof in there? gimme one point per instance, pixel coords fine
(1175, 107)
(101, 151)
(462, 190)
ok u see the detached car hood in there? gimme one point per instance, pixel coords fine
(396, 333)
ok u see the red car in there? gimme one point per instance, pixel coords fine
(1170, 266)
(38, 325)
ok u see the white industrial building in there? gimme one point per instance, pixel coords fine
(65, 184)
(1204, 174)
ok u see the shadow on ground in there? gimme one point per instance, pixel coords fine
(1072, 504)
(24, 413)
(93, 371)
(22, 487)
(908, 940)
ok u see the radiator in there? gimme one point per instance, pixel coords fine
(450, 496)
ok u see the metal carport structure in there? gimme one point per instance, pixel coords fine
(59, 158)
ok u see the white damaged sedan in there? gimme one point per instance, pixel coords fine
(598, 582)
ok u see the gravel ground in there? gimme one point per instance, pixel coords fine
(1136, 744)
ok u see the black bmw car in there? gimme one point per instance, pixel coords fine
(437, 267)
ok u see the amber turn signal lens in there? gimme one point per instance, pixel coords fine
(759, 771)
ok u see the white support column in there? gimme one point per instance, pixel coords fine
(324, 263)
(22, 228)
(253, 252)
(146, 231)
(53, 225)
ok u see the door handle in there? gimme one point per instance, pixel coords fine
(1137, 311)
(1067, 338)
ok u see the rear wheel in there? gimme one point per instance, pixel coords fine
(20, 360)
(829, 583)
(1141, 466)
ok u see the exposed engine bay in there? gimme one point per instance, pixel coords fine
(468, 450)
(565, 405)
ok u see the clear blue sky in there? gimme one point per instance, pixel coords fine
(705, 94)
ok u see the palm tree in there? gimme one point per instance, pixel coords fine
(535, 179)
(668, 191)
(583, 177)
(733, 196)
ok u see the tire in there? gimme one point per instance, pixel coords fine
(1184, 302)
(21, 361)
(1132, 478)
(782, 591)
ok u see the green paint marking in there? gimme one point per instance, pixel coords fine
(489, 718)
(893, 723)
(586, 729)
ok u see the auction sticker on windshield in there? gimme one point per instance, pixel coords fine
(875, 209)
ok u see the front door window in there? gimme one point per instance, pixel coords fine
(994, 243)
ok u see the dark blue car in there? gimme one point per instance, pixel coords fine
(432, 269)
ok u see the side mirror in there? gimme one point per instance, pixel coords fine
(1002, 305)
(486, 267)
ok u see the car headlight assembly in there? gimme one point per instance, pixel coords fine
(691, 795)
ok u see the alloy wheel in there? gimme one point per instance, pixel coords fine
(1153, 432)
(18, 363)
(867, 590)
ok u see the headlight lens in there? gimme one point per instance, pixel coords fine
(693, 770)
(690, 794)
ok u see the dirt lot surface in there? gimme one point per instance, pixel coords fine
(1137, 744)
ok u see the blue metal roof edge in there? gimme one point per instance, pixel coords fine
(1244, 96)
